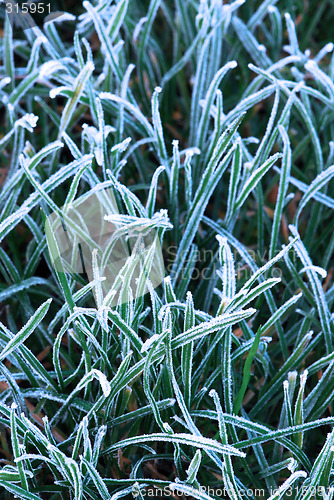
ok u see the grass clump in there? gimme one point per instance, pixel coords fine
(213, 125)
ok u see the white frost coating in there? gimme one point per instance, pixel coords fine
(167, 280)
(138, 27)
(287, 484)
(100, 79)
(102, 315)
(303, 378)
(13, 406)
(122, 146)
(292, 375)
(5, 81)
(27, 121)
(61, 17)
(266, 339)
(231, 65)
(89, 130)
(323, 52)
(292, 464)
(89, 66)
(310, 65)
(289, 197)
(228, 9)
(162, 312)
(99, 156)
(42, 39)
(48, 68)
(163, 212)
(105, 384)
(167, 428)
(251, 140)
(148, 343)
(317, 269)
(191, 151)
(108, 129)
(222, 240)
(56, 91)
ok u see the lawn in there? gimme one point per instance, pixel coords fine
(167, 250)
